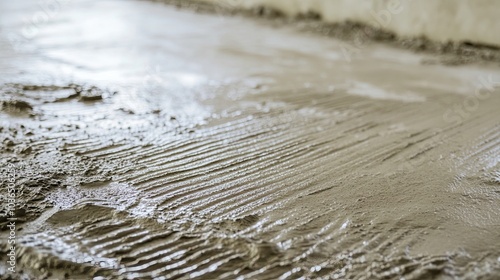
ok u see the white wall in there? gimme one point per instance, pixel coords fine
(442, 20)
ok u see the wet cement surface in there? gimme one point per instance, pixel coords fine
(150, 142)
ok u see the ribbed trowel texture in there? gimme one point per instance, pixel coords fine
(243, 151)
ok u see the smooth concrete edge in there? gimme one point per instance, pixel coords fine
(440, 20)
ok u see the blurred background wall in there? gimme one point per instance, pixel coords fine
(476, 21)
